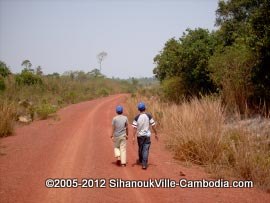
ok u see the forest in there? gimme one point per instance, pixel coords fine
(232, 61)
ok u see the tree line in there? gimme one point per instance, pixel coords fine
(232, 61)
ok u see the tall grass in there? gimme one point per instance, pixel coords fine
(196, 130)
(7, 117)
(201, 132)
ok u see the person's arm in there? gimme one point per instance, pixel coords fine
(126, 124)
(135, 125)
(155, 131)
(113, 128)
(153, 124)
(134, 134)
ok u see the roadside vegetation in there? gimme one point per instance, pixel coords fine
(213, 102)
(202, 131)
(232, 61)
(7, 115)
(31, 95)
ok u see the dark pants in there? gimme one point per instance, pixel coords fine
(144, 143)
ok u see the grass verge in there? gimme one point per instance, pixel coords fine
(201, 132)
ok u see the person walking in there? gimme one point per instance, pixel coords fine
(119, 136)
(141, 125)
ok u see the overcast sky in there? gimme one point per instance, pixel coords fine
(62, 35)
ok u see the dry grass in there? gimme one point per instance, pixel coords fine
(7, 116)
(198, 131)
(153, 106)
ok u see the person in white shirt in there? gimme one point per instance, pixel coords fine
(141, 125)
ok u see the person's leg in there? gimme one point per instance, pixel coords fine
(145, 151)
(140, 147)
(123, 145)
(117, 149)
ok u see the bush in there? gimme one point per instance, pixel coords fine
(7, 115)
(4, 70)
(70, 97)
(103, 92)
(2, 84)
(28, 78)
(187, 58)
(231, 71)
(173, 89)
(45, 109)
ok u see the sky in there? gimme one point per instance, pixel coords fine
(64, 35)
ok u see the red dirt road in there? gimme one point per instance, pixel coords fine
(78, 146)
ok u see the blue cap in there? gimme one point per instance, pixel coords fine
(119, 109)
(141, 106)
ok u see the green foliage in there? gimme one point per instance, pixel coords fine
(103, 92)
(70, 97)
(45, 109)
(187, 58)
(241, 61)
(172, 89)
(248, 21)
(2, 84)
(4, 70)
(54, 75)
(167, 60)
(39, 95)
(27, 64)
(232, 73)
(95, 73)
(134, 82)
(27, 77)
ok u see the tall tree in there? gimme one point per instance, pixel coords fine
(27, 64)
(231, 71)
(101, 56)
(39, 70)
(248, 22)
(187, 59)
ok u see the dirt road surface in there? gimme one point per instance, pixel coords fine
(77, 145)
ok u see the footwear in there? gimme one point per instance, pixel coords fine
(118, 162)
(144, 167)
(138, 162)
(123, 165)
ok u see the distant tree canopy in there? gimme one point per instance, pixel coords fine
(95, 73)
(4, 70)
(27, 65)
(28, 77)
(233, 60)
(100, 57)
(39, 70)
